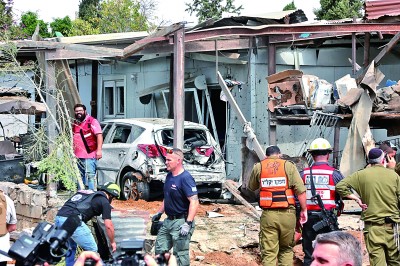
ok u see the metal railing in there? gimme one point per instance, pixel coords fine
(321, 126)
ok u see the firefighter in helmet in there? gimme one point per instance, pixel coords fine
(325, 178)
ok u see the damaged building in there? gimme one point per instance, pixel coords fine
(287, 76)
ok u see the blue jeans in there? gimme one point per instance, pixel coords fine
(87, 168)
(82, 236)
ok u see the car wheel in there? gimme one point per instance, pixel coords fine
(133, 187)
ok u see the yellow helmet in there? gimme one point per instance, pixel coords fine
(320, 144)
(112, 189)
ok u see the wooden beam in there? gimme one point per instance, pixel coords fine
(137, 46)
(304, 37)
(96, 50)
(367, 42)
(59, 54)
(230, 31)
(387, 48)
(201, 46)
(381, 54)
(235, 192)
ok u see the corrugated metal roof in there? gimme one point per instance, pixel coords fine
(330, 22)
(271, 15)
(375, 9)
(282, 17)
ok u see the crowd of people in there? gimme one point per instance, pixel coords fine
(319, 190)
(307, 202)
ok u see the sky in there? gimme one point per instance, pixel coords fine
(168, 10)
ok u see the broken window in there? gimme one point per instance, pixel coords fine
(196, 148)
(121, 134)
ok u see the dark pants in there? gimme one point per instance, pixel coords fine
(309, 236)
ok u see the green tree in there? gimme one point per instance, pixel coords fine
(63, 25)
(290, 6)
(6, 18)
(339, 9)
(88, 9)
(112, 16)
(121, 16)
(29, 20)
(8, 29)
(82, 27)
(206, 9)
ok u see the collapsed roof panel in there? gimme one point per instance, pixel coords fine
(283, 17)
(375, 9)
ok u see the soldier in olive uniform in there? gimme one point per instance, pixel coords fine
(279, 182)
(379, 190)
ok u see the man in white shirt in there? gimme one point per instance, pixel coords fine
(10, 225)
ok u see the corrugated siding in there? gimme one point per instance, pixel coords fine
(129, 224)
(375, 9)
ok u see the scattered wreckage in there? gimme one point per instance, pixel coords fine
(14, 101)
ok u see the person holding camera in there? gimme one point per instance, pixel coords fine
(88, 204)
(95, 259)
(8, 223)
(180, 205)
(379, 198)
(325, 177)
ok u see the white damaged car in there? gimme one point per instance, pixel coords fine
(134, 153)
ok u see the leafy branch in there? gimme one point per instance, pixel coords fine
(54, 155)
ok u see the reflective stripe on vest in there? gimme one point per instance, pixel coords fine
(274, 187)
(324, 186)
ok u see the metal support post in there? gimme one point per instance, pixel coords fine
(179, 92)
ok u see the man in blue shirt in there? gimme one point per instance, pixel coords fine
(180, 205)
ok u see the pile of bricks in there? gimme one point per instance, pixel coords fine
(32, 205)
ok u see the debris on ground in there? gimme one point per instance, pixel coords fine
(232, 240)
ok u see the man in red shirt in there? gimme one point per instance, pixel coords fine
(88, 140)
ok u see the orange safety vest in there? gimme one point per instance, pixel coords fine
(324, 186)
(274, 185)
(3, 214)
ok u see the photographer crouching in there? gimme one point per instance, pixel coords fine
(88, 204)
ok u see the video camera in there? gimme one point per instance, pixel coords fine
(47, 243)
(131, 255)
